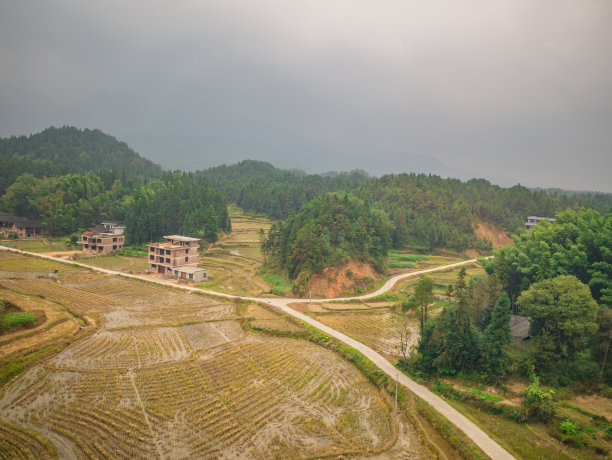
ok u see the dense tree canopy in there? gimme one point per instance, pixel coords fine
(329, 231)
(260, 187)
(496, 337)
(563, 317)
(175, 203)
(60, 151)
(436, 212)
(579, 243)
(425, 210)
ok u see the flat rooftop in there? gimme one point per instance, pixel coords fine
(181, 238)
(166, 245)
(189, 269)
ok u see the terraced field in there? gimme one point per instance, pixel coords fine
(170, 374)
(378, 329)
(233, 261)
(18, 443)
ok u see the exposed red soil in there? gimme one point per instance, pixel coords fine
(337, 280)
(493, 233)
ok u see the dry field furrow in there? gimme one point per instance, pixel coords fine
(72, 298)
(124, 349)
(172, 374)
(30, 267)
(18, 443)
(375, 329)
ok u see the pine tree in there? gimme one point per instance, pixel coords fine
(493, 356)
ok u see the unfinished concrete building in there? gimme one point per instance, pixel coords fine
(532, 221)
(176, 251)
(190, 273)
(104, 238)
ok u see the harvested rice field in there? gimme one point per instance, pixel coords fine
(378, 329)
(171, 374)
(233, 262)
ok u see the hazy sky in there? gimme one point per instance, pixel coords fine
(514, 89)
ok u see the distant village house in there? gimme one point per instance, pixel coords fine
(519, 329)
(23, 227)
(104, 238)
(532, 221)
(177, 257)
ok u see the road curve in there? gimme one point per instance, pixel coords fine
(472, 431)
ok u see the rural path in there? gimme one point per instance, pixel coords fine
(472, 431)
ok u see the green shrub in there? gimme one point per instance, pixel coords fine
(572, 434)
(569, 427)
(397, 260)
(132, 252)
(14, 319)
(538, 402)
(485, 395)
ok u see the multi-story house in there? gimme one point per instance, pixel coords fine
(104, 238)
(176, 251)
(532, 221)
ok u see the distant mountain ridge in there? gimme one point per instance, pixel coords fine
(58, 151)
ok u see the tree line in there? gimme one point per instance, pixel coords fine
(434, 212)
(174, 203)
(259, 187)
(425, 210)
(558, 275)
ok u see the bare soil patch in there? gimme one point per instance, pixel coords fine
(347, 278)
(492, 233)
(68, 255)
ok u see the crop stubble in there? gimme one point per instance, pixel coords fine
(172, 374)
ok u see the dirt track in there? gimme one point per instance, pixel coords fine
(478, 436)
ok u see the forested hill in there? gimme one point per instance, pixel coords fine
(59, 151)
(436, 212)
(260, 187)
(425, 210)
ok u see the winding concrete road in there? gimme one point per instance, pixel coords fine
(477, 435)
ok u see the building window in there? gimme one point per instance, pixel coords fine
(186, 259)
(152, 249)
(152, 257)
(115, 240)
(114, 247)
(167, 261)
(153, 266)
(191, 276)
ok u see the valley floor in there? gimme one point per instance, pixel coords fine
(172, 374)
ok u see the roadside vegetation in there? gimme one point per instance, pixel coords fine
(557, 276)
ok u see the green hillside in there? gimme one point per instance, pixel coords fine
(66, 150)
